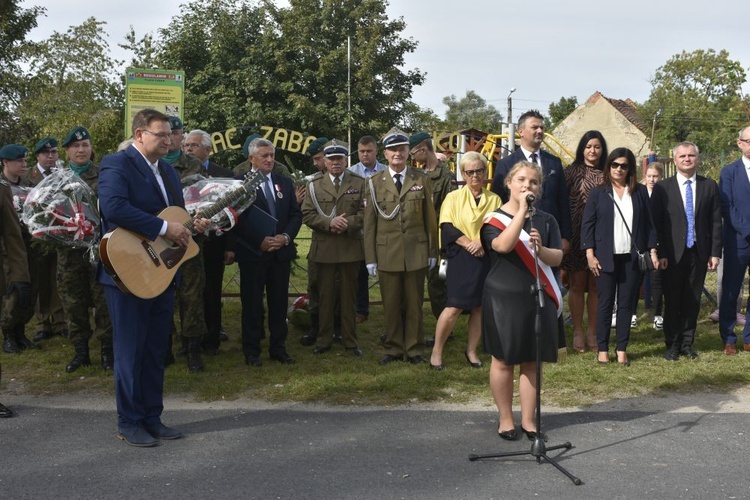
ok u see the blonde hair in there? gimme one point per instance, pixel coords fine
(525, 164)
(472, 156)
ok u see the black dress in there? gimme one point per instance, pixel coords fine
(465, 280)
(509, 308)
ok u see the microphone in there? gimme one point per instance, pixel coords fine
(530, 199)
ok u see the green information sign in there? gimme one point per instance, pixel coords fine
(159, 89)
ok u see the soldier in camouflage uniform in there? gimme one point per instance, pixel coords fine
(423, 152)
(10, 232)
(50, 318)
(76, 274)
(14, 314)
(190, 292)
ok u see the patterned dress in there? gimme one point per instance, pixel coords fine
(580, 179)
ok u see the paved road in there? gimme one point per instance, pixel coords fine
(682, 447)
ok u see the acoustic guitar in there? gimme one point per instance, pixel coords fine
(146, 268)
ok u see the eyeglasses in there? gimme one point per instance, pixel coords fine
(161, 135)
(621, 166)
(49, 152)
(472, 173)
(416, 151)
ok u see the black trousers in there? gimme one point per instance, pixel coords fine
(623, 281)
(213, 266)
(683, 285)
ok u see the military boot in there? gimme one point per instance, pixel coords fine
(194, 361)
(108, 357)
(184, 349)
(9, 342)
(311, 336)
(22, 341)
(81, 357)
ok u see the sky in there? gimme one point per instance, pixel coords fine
(544, 49)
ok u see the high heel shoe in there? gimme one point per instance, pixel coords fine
(509, 435)
(625, 363)
(436, 367)
(478, 364)
(532, 434)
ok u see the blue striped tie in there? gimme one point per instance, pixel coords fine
(689, 213)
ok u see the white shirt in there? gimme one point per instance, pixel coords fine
(746, 162)
(622, 238)
(528, 154)
(333, 178)
(393, 175)
(160, 181)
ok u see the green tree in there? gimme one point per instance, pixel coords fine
(15, 24)
(74, 81)
(698, 96)
(471, 111)
(415, 118)
(560, 110)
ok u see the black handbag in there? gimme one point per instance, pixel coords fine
(644, 259)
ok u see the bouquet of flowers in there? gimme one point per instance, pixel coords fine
(300, 179)
(62, 209)
(208, 195)
(20, 193)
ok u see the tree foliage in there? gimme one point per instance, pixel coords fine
(15, 24)
(471, 111)
(560, 110)
(73, 81)
(698, 97)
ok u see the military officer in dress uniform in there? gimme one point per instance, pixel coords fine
(76, 275)
(333, 209)
(10, 231)
(400, 246)
(50, 318)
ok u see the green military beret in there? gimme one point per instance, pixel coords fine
(246, 144)
(77, 134)
(175, 123)
(418, 138)
(316, 146)
(47, 142)
(12, 152)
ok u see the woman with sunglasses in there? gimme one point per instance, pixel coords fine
(617, 223)
(461, 219)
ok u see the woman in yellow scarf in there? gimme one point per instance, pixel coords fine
(461, 217)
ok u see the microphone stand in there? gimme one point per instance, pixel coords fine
(539, 447)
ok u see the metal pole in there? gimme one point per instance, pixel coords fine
(349, 93)
(511, 125)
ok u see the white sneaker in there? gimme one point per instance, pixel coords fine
(658, 322)
(634, 321)
(614, 319)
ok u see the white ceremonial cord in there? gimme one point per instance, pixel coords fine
(392, 215)
(311, 190)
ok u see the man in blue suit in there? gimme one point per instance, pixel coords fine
(262, 243)
(135, 186)
(554, 199)
(734, 185)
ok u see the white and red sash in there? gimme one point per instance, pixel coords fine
(526, 253)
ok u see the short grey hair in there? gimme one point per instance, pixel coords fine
(685, 144)
(205, 138)
(741, 131)
(258, 143)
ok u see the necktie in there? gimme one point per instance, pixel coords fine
(45, 173)
(268, 192)
(398, 182)
(689, 213)
(533, 158)
(337, 183)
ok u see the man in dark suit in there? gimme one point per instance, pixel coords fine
(262, 244)
(198, 143)
(687, 216)
(554, 199)
(134, 186)
(734, 184)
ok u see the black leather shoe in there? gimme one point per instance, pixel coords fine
(418, 359)
(356, 351)
(672, 354)
(388, 358)
(308, 339)
(43, 335)
(509, 435)
(253, 361)
(64, 333)
(321, 350)
(108, 358)
(531, 435)
(478, 364)
(223, 337)
(437, 368)
(80, 359)
(430, 342)
(282, 358)
(11, 347)
(5, 412)
(688, 352)
(383, 338)
(24, 343)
